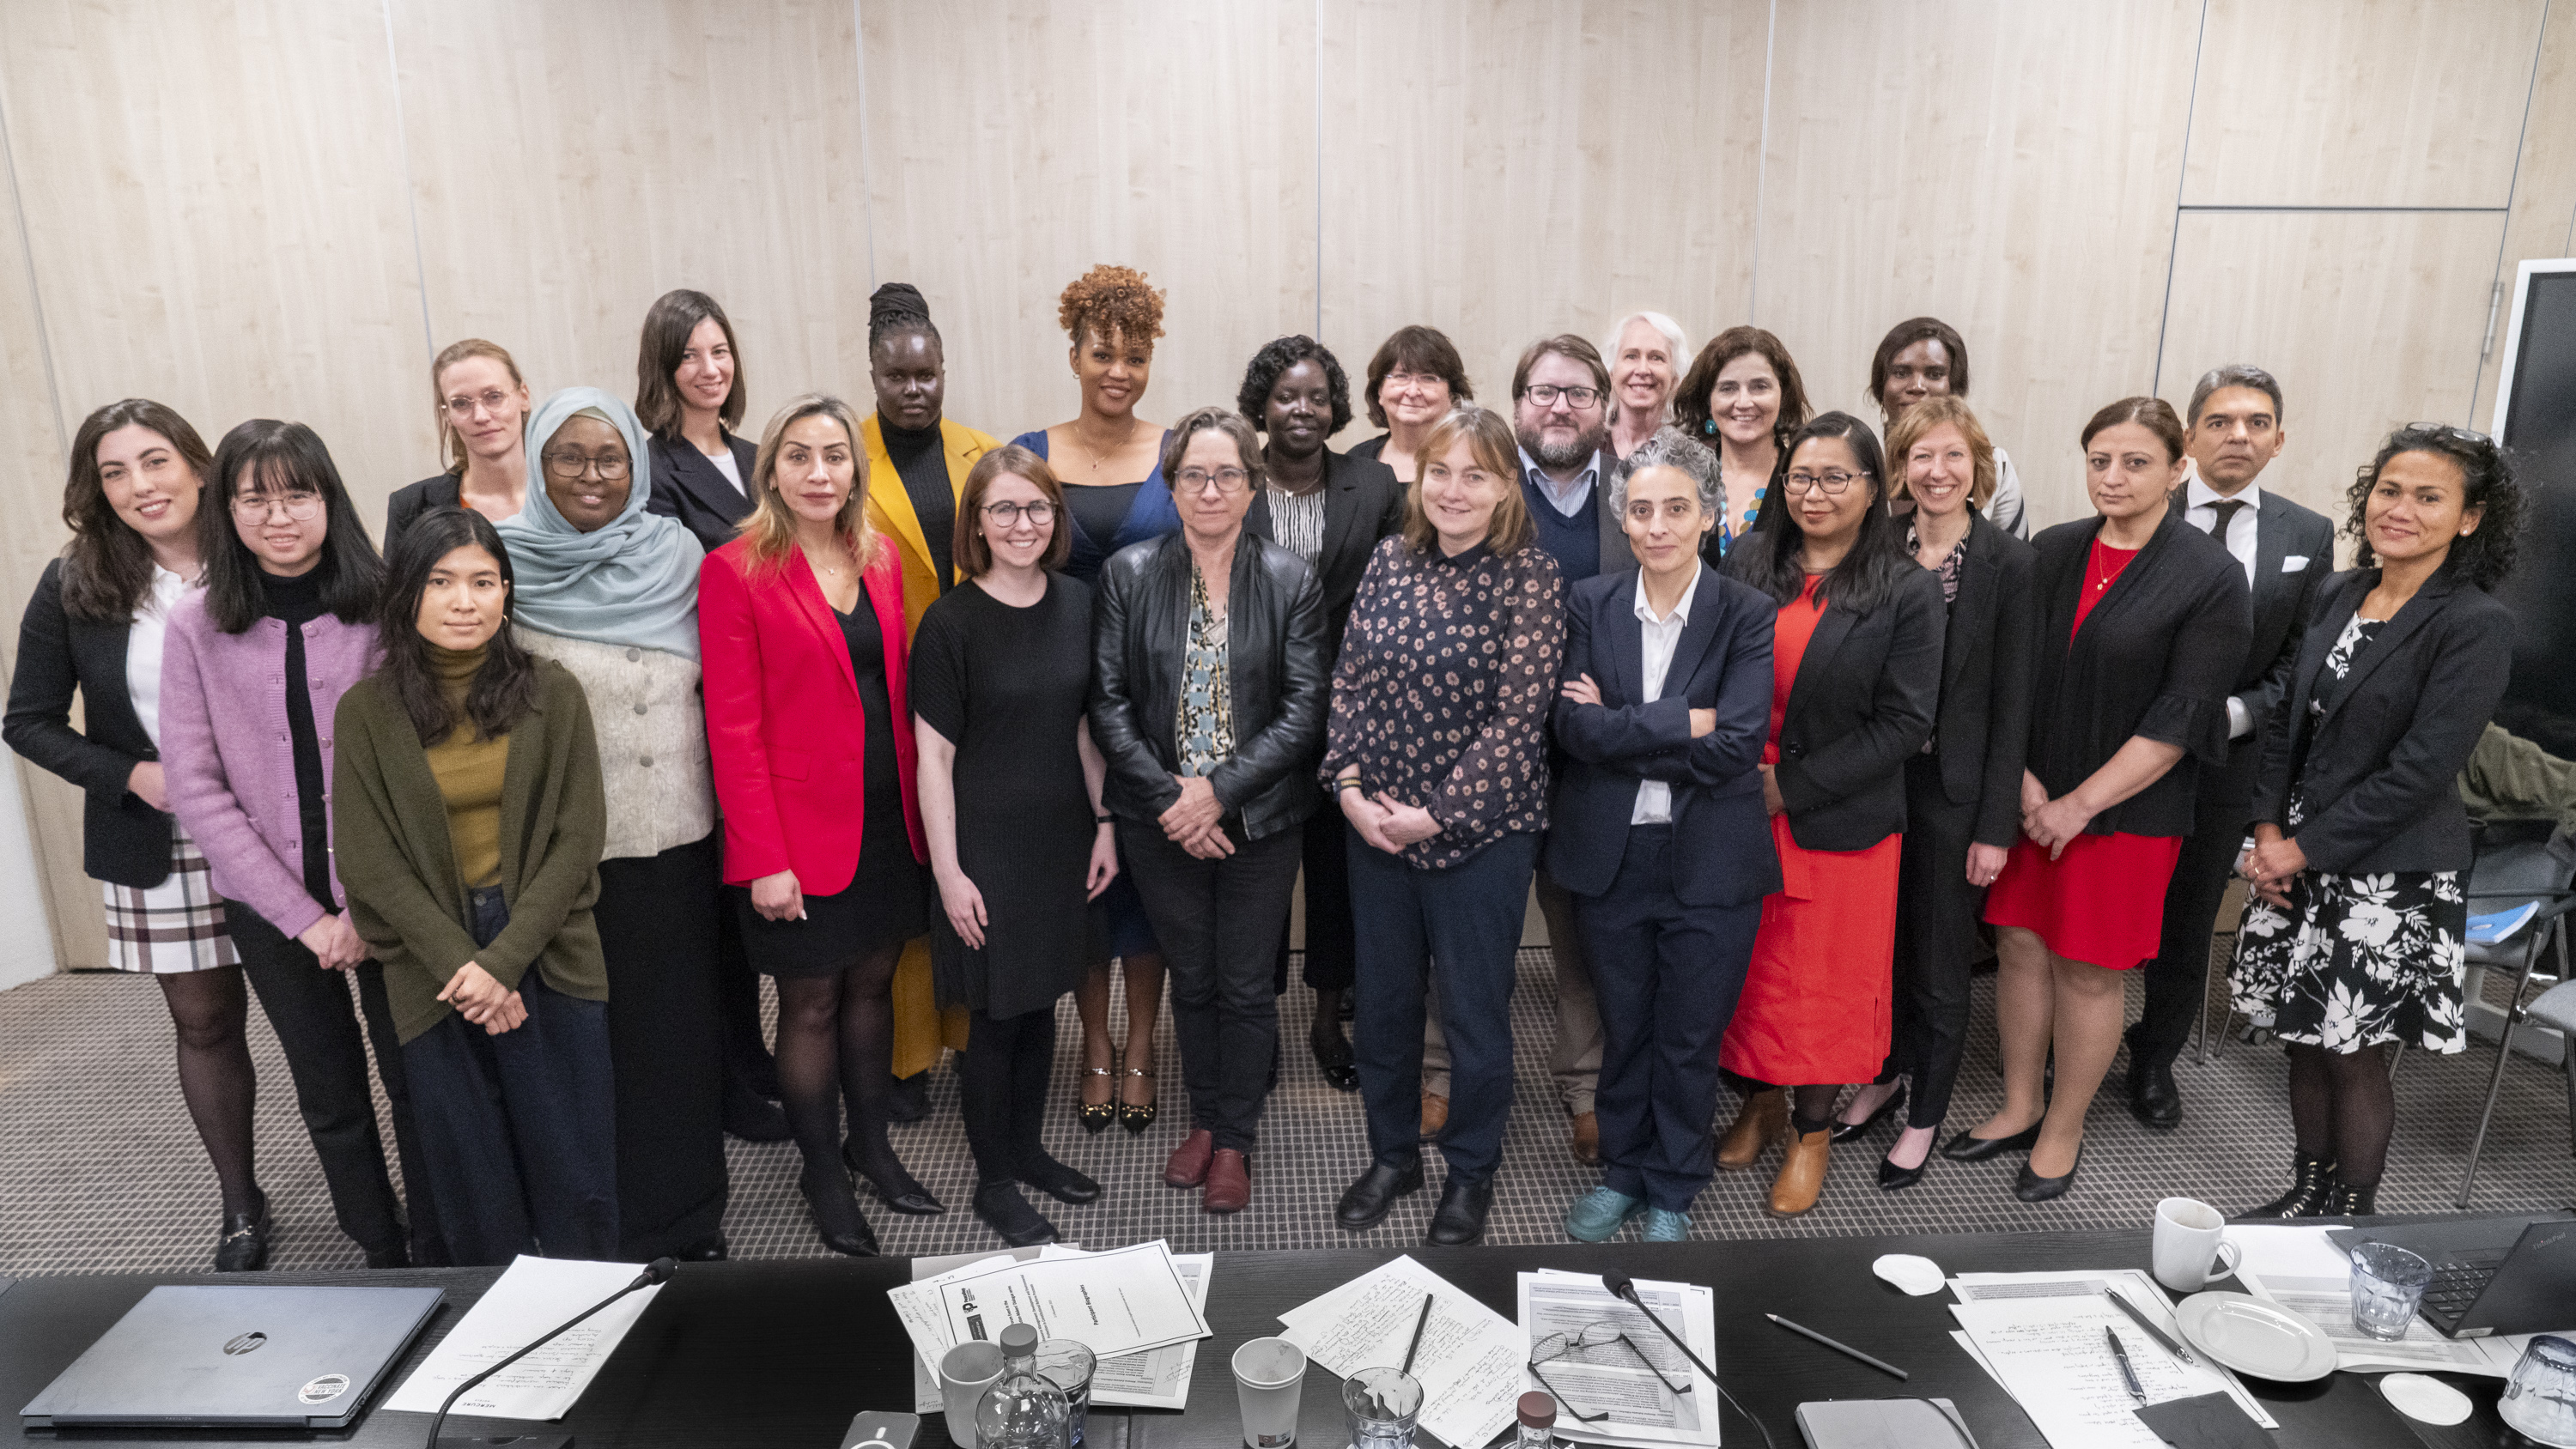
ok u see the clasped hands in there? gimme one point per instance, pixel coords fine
(2272, 864)
(483, 1000)
(1383, 821)
(2052, 823)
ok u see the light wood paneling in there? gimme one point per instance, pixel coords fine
(1919, 165)
(2543, 220)
(2360, 102)
(574, 162)
(1013, 144)
(2370, 320)
(1504, 172)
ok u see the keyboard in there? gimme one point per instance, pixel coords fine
(2457, 1282)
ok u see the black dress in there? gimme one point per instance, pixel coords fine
(1007, 686)
(887, 899)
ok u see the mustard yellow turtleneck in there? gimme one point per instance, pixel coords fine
(469, 770)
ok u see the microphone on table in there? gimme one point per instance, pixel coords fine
(1623, 1286)
(657, 1271)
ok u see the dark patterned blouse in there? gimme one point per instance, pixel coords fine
(1448, 671)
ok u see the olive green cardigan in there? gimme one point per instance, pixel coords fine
(406, 896)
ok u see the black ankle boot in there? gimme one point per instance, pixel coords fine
(2312, 1185)
(2348, 1201)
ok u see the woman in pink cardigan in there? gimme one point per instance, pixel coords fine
(251, 676)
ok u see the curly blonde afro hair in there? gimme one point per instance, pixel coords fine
(1114, 302)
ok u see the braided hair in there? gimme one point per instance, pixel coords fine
(895, 308)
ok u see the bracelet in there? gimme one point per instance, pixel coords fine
(1347, 782)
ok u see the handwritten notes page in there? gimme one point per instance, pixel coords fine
(2133, 1284)
(2049, 1354)
(532, 1297)
(1470, 1363)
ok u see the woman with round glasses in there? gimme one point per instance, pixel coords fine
(482, 413)
(1208, 698)
(1414, 379)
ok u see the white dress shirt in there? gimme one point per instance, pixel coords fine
(1566, 498)
(1659, 637)
(143, 649)
(2200, 512)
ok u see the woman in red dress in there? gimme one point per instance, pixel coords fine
(1856, 672)
(2144, 621)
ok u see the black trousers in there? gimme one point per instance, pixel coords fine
(1219, 922)
(1666, 976)
(1002, 1089)
(320, 1032)
(748, 1065)
(658, 929)
(1936, 943)
(2177, 978)
(1332, 959)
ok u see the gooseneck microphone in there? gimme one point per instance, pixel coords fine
(657, 1271)
(1623, 1286)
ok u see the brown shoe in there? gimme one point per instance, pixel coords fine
(1229, 1183)
(1188, 1164)
(1435, 1115)
(1765, 1116)
(1587, 1138)
(1802, 1175)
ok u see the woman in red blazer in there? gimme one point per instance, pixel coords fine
(801, 622)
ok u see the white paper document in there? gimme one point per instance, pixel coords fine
(1470, 1362)
(1153, 1378)
(1115, 1302)
(530, 1298)
(2302, 1270)
(2050, 1355)
(2133, 1284)
(920, 1323)
(1631, 1378)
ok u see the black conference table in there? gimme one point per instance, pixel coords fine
(781, 1354)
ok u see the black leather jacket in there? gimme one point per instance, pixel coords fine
(1276, 671)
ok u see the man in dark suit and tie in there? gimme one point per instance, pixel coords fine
(1659, 834)
(2287, 551)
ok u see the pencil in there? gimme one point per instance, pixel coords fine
(1841, 1348)
(1419, 1324)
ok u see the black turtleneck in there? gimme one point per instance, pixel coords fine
(298, 602)
(923, 464)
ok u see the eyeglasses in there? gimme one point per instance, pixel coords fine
(573, 465)
(1227, 480)
(2447, 432)
(490, 400)
(1833, 481)
(1008, 515)
(1598, 1345)
(300, 507)
(1545, 395)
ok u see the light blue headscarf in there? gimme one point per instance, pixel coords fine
(634, 581)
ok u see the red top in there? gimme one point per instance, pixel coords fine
(2101, 566)
(1792, 627)
(785, 725)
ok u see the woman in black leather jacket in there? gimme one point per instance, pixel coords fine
(1209, 687)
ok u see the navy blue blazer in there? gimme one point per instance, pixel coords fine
(1722, 853)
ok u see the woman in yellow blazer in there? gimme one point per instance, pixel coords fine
(910, 444)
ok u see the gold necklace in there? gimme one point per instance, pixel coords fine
(1098, 457)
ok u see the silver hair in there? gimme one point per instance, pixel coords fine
(1670, 447)
(1672, 331)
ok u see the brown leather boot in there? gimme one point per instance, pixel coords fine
(1765, 1116)
(1586, 1140)
(1802, 1174)
(1435, 1115)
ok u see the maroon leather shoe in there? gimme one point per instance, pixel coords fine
(1229, 1183)
(1188, 1164)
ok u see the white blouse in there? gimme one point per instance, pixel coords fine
(143, 648)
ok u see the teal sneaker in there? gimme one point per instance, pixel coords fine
(1598, 1215)
(1664, 1227)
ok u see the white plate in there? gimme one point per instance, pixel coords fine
(2254, 1337)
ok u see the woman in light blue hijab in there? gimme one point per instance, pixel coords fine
(609, 591)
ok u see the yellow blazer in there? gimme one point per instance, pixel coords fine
(890, 507)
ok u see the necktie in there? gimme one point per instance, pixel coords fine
(2224, 511)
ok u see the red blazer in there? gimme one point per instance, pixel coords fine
(784, 723)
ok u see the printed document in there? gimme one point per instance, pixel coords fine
(1628, 1369)
(1117, 1302)
(1154, 1378)
(1470, 1359)
(530, 1298)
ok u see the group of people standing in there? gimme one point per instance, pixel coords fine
(933, 730)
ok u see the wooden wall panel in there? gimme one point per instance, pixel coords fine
(1013, 144)
(2414, 103)
(2543, 220)
(572, 162)
(2370, 320)
(1505, 171)
(1925, 172)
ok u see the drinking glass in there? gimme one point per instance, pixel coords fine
(2387, 1286)
(2540, 1399)
(1383, 1404)
(1069, 1365)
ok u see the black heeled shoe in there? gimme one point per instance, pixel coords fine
(908, 1098)
(1892, 1178)
(1000, 1207)
(906, 1196)
(1846, 1131)
(844, 1229)
(241, 1244)
(1057, 1181)
(2031, 1187)
(1135, 1116)
(1096, 1116)
(1968, 1148)
(1334, 1058)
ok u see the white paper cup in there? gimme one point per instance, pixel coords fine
(1268, 1373)
(964, 1374)
(2191, 1245)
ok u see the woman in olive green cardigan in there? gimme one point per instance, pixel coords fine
(470, 817)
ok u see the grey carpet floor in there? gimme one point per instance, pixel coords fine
(101, 1172)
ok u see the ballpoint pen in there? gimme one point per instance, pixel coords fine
(1842, 1348)
(2121, 1301)
(2119, 1355)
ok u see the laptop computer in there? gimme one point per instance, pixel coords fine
(2490, 1275)
(246, 1357)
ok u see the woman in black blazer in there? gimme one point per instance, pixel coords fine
(2144, 621)
(1856, 670)
(2355, 935)
(1329, 509)
(94, 630)
(1963, 791)
(482, 418)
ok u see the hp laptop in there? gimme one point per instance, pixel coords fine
(249, 1357)
(2490, 1275)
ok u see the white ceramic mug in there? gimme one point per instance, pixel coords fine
(964, 1374)
(2191, 1245)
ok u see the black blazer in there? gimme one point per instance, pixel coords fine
(123, 840)
(1722, 852)
(1861, 705)
(410, 501)
(1983, 723)
(2155, 659)
(1362, 504)
(2283, 600)
(686, 486)
(2377, 767)
(1276, 675)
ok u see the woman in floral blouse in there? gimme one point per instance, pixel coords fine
(1437, 753)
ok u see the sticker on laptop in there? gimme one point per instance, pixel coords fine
(324, 1389)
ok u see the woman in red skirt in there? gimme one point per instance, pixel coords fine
(1856, 672)
(2144, 621)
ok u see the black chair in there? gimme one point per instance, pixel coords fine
(2515, 864)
